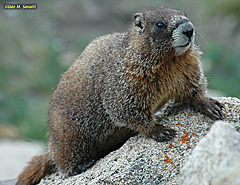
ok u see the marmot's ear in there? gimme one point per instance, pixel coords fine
(139, 22)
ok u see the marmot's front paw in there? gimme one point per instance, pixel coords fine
(161, 133)
(212, 108)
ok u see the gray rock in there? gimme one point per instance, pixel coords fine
(144, 161)
(213, 158)
(8, 182)
(229, 176)
(14, 156)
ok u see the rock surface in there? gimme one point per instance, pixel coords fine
(214, 159)
(228, 176)
(144, 161)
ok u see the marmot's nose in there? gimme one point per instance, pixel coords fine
(188, 32)
(186, 28)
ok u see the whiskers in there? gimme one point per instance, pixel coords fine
(198, 39)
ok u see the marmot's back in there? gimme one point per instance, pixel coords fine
(90, 63)
(81, 85)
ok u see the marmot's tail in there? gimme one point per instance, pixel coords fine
(38, 167)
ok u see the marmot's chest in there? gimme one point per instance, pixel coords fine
(171, 83)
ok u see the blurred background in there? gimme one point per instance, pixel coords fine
(37, 46)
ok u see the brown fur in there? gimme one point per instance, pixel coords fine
(38, 167)
(113, 89)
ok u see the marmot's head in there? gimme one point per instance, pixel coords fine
(165, 30)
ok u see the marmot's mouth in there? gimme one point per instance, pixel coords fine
(183, 46)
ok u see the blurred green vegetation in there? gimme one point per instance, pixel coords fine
(37, 46)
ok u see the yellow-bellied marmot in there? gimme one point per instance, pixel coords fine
(112, 90)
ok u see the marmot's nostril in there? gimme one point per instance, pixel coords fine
(188, 33)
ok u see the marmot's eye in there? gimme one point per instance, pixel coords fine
(160, 25)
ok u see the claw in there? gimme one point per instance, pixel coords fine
(162, 133)
(211, 108)
(219, 104)
(221, 117)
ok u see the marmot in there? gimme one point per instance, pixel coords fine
(115, 86)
